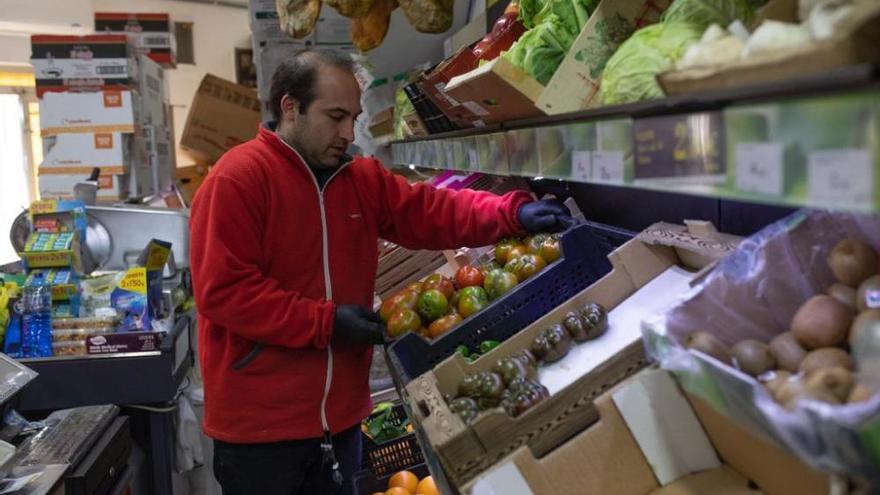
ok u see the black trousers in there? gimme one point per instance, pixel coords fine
(291, 467)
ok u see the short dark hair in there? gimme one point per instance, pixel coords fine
(297, 76)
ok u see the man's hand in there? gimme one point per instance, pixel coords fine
(358, 325)
(548, 215)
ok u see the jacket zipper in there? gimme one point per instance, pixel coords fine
(328, 288)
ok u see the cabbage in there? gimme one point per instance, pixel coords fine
(573, 13)
(704, 13)
(540, 50)
(630, 74)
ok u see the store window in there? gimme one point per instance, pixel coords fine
(15, 172)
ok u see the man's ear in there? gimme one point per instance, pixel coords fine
(289, 106)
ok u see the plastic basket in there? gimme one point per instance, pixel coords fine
(585, 248)
(434, 120)
(366, 483)
(386, 458)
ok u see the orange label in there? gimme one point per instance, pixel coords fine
(38, 207)
(112, 99)
(105, 182)
(103, 141)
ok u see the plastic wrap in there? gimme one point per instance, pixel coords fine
(753, 294)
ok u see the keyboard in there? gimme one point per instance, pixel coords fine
(67, 437)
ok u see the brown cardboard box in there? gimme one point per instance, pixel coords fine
(222, 115)
(188, 180)
(855, 42)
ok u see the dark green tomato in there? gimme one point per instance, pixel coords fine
(491, 386)
(595, 318)
(575, 326)
(488, 345)
(469, 386)
(552, 344)
(526, 396)
(465, 407)
(526, 357)
(509, 368)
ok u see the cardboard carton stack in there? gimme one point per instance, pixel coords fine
(103, 105)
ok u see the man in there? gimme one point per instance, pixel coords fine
(284, 254)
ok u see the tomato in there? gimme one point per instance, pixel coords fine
(502, 249)
(528, 266)
(432, 305)
(550, 249)
(407, 298)
(468, 276)
(453, 301)
(443, 325)
(402, 321)
(512, 266)
(498, 282)
(487, 267)
(441, 283)
(472, 300)
(533, 243)
(416, 286)
(515, 252)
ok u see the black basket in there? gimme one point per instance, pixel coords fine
(435, 121)
(366, 483)
(585, 249)
(386, 458)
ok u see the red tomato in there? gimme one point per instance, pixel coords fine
(468, 276)
(441, 283)
(407, 298)
(402, 321)
(443, 325)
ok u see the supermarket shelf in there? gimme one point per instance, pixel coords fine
(811, 142)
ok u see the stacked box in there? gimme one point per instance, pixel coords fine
(83, 63)
(151, 33)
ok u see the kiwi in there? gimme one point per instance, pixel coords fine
(776, 380)
(793, 391)
(860, 393)
(865, 318)
(836, 381)
(868, 296)
(852, 261)
(708, 344)
(822, 321)
(787, 351)
(753, 357)
(844, 294)
(828, 357)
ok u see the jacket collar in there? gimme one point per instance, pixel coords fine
(273, 139)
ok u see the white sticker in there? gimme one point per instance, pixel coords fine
(472, 159)
(607, 167)
(759, 168)
(475, 108)
(841, 178)
(581, 166)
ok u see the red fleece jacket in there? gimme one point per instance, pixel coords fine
(272, 255)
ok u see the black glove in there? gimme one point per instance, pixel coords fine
(358, 325)
(548, 215)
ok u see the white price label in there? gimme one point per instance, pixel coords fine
(608, 167)
(759, 168)
(841, 178)
(450, 157)
(473, 162)
(581, 166)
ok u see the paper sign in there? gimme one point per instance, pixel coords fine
(581, 166)
(607, 167)
(759, 168)
(841, 178)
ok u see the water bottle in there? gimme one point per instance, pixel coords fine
(36, 338)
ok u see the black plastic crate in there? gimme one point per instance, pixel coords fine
(435, 120)
(366, 483)
(585, 249)
(386, 458)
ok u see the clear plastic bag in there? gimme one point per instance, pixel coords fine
(753, 294)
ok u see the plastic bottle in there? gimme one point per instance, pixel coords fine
(36, 338)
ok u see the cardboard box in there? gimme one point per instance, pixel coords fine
(153, 92)
(606, 459)
(263, 20)
(64, 282)
(96, 112)
(78, 153)
(188, 180)
(269, 55)
(159, 152)
(644, 272)
(500, 91)
(83, 63)
(855, 42)
(470, 33)
(222, 115)
(60, 186)
(53, 250)
(151, 33)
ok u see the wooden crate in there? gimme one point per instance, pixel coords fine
(400, 267)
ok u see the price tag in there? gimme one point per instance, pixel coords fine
(472, 159)
(841, 178)
(759, 168)
(680, 146)
(608, 167)
(581, 166)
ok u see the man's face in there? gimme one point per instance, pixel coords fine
(323, 133)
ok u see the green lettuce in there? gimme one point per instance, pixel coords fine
(704, 13)
(540, 50)
(573, 13)
(630, 74)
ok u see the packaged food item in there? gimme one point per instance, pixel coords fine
(72, 348)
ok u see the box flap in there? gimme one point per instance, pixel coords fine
(698, 237)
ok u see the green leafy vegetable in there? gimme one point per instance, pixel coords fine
(704, 13)
(539, 51)
(630, 74)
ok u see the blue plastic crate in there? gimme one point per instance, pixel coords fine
(585, 250)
